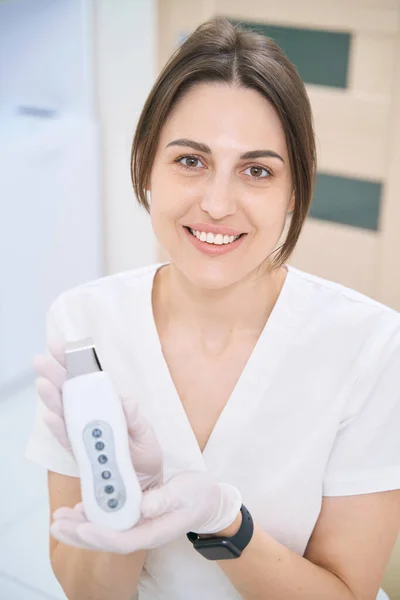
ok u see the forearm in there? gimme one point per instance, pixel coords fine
(90, 575)
(270, 570)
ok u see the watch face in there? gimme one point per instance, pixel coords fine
(217, 549)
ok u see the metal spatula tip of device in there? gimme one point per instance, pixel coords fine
(81, 358)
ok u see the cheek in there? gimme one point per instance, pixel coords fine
(158, 217)
(268, 214)
(165, 213)
(172, 203)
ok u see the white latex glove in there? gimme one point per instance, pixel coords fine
(144, 447)
(189, 501)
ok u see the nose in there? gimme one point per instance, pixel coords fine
(219, 199)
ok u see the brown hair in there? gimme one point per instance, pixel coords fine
(218, 51)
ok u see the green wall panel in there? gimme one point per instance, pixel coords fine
(353, 202)
(321, 57)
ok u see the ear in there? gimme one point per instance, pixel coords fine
(292, 203)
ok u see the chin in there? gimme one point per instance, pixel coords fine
(212, 276)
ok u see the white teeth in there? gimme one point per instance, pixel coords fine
(210, 238)
(217, 239)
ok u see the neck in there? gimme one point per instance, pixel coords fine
(216, 318)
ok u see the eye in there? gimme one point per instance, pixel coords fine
(189, 162)
(257, 172)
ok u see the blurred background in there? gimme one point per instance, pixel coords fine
(74, 75)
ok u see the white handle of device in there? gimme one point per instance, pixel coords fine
(98, 433)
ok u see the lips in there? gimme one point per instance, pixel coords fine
(212, 249)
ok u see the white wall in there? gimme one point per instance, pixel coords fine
(125, 55)
(68, 213)
(45, 55)
(50, 205)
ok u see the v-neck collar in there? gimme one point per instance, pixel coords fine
(167, 413)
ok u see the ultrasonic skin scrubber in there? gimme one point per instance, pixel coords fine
(98, 434)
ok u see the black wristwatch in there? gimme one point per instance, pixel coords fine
(221, 548)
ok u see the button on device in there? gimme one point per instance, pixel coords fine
(110, 491)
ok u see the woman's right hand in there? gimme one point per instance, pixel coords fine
(144, 447)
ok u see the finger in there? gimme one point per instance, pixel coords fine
(149, 534)
(138, 425)
(56, 426)
(131, 410)
(143, 432)
(75, 514)
(54, 416)
(65, 538)
(57, 350)
(156, 532)
(157, 501)
(147, 460)
(49, 368)
(50, 395)
(65, 531)
(80, 508)
(103, 538)
(144, 446)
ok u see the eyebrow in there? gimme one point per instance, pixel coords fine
(207, 150)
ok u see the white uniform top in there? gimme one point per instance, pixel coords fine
(316, 411)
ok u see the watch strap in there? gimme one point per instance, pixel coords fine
(240, 539)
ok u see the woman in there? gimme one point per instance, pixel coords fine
(272, 394)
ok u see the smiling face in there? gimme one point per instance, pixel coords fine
(221, 166)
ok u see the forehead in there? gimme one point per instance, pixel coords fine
(225, 116)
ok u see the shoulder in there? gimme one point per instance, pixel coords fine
(338, 303)
(104, 295)
(348, 321)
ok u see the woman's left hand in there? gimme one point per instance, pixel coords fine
(189, 501)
